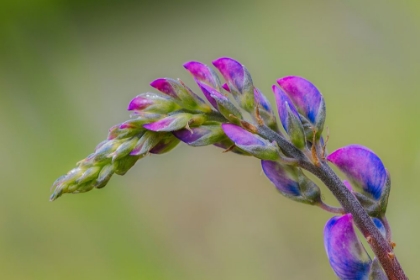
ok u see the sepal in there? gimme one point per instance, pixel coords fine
(376, 271)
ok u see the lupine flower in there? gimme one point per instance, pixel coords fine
(265, 110)
(362, 167)
(291, 182)
(307, 99)
(238, 80)
(185, 97)
(206, 134)
(347, 256)
(204, 75)
(289, 118)
(154, 103)
(222, 103)
(251, 143)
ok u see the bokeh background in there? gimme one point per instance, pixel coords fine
(69, 68)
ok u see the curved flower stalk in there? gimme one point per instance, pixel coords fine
(239, 118)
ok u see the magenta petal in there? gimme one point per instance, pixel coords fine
(170, 123)
(201, 136)
(139, 103)
(262, 100)
(363, 167)
(231, 70)
(165, 145)
(203, 73)
(165, 86)
(226, 87)
(208, 91)
(277, 175)
(304, 95)
(346, 254)
(242, 137)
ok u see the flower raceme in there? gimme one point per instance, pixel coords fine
(239, 118)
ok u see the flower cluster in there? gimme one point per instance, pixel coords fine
(239, 118)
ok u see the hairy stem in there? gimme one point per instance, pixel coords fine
(331, 209)
(380, 246)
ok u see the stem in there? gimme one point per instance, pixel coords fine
(380, 246)
(331, 209)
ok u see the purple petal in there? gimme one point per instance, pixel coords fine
(208, 91)
(363, 167)
(165, 145)
(164, 85)
(277, 175)
(169, 123)
(203, 73)
(201, 136)
(346, 254)
(262, 100)
(283, 101)
(305, 96)
(231, 70)
(378, 223)
(242, 137)
(226, 87)
(348, 185)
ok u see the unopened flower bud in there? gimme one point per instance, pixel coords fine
(251, 143)
(205, 75)
(289, 118)
(206, 134)
(347, 256)
(291, 182)
(170, 123)
(183, 95)
(238, 80)
(224, 106)
(307, 99)
(167, 142)
(156, 103)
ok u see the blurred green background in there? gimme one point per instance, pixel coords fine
(69, 68)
